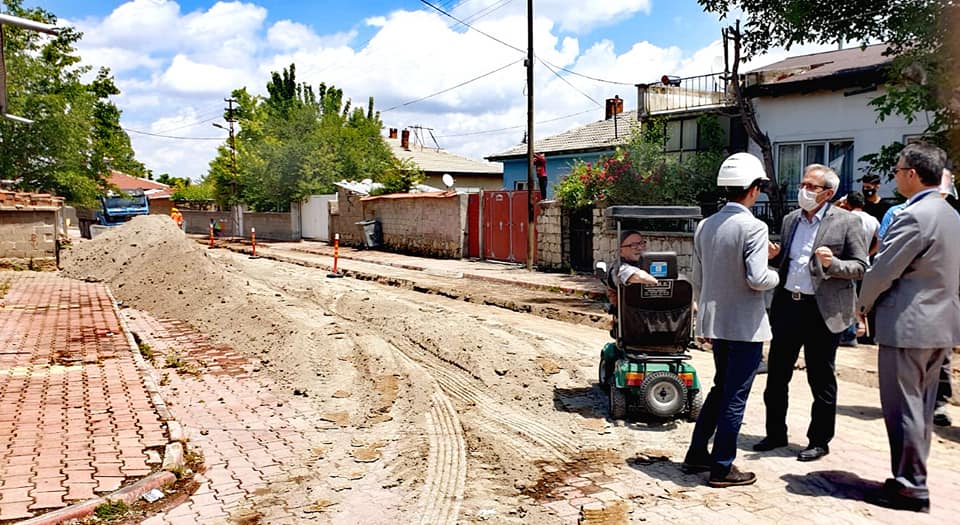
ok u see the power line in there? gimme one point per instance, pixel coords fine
(215, 116)
(442, 91)
(511, 46)
(542, 61)
(488, 35)
(511, 128)
(158, 135)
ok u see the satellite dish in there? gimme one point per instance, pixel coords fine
(447, 180)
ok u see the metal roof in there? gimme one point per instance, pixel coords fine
(820, 65)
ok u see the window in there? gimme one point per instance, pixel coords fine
(520, 186)
(792, 158)
(681, 135)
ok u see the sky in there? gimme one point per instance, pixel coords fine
(175, 62)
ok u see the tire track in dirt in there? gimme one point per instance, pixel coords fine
(442, 494)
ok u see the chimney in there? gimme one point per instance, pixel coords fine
(614, 107)
(393, 133)
(405, 139)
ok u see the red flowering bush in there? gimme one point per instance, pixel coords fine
(639, 173)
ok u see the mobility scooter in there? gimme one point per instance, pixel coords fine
(646, 367)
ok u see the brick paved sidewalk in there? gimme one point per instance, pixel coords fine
(269, 457)
(76, 419)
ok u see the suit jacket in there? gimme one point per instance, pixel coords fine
(914, 282)
(730, 274)
(842, 232)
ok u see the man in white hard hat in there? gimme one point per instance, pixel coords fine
(730, 274)
(824, 252)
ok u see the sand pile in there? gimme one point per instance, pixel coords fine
(150, 265)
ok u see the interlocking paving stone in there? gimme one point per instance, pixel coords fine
(68, 388)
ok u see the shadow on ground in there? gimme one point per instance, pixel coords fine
(833, 483)
(860, 412)
(591, 403)
(948, 433)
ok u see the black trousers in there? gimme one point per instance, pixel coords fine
(797, 324)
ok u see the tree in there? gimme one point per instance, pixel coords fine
(76, 135)
(295, 142)
(922, 75)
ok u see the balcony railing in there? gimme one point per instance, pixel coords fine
(680, 94)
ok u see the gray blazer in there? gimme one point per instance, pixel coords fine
(914, 282)
(842, 232)
(729, 276)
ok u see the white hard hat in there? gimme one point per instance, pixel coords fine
(740, 170)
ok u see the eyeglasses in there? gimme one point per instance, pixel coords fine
(808, 186)
(899, 169)
(634, 245)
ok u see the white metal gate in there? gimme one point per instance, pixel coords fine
(316, 217)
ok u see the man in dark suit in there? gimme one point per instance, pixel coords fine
(823, 253)
(913, 285)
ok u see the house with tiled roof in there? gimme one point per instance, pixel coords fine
(584, 143)
(678, 101)
(158, 195)
(816, 109)
(468, 174)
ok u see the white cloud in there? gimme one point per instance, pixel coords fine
(175, 68)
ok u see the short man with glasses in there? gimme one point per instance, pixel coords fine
(632, 246)
(823, 253)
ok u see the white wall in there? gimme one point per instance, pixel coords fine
(830, 115)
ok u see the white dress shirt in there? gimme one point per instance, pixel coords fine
(801, 250)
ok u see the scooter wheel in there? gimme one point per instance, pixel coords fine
(618, 403)
(663, 394)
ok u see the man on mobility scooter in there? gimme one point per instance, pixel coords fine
(646, 366)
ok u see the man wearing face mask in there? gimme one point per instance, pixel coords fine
(824, 252)
(871, 197)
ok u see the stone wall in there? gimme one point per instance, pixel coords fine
(605, 242)
(29, 224)
(430, 224)
(551, 233)
(345, 212)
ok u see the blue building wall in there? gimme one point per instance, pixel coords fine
(515, 170)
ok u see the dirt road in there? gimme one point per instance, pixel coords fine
(460, 411)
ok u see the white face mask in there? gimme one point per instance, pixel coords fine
(807, 199)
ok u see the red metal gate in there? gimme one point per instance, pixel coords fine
(473, 225)
(505, 225)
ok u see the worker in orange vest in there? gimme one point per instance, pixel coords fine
(177, 217)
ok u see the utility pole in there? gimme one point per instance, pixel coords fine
(531, 248)
(237, 208)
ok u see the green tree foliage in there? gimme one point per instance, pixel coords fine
(76, 133)
(202, 193)
(921, 79)
(402, 176)
(295, 142)
(641, 173)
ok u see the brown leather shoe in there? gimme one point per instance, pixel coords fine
(733, 478)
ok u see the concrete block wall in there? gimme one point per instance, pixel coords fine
(344, 215)
(421, 224)
(550, 237)
(197, 221)
(277, 226)
(29, 223)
